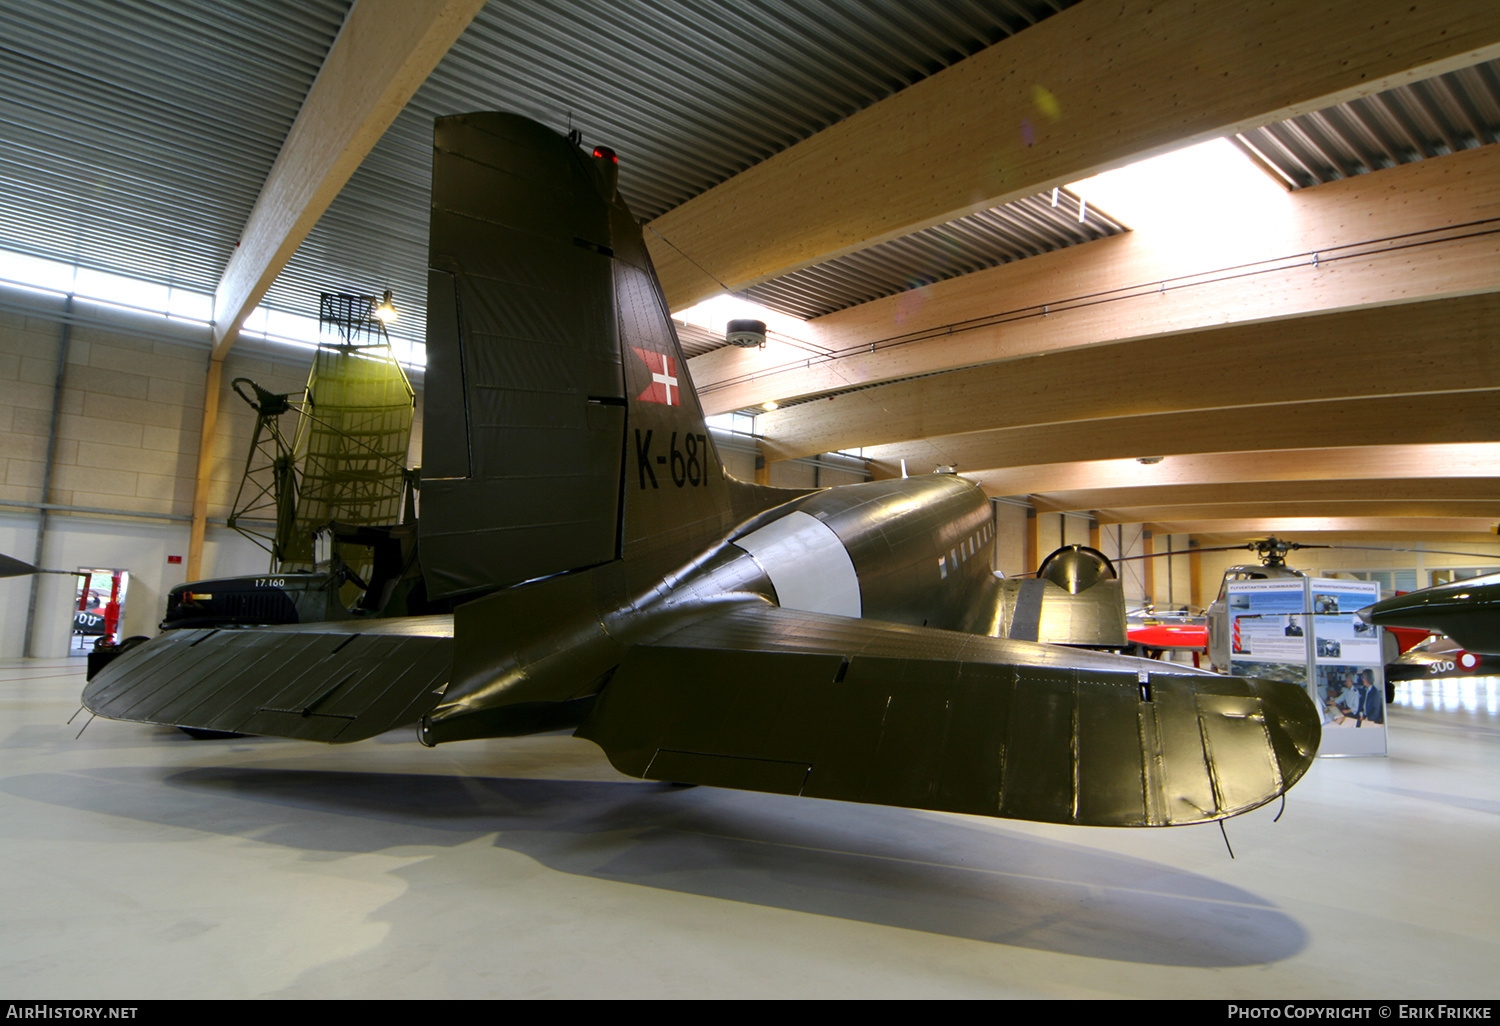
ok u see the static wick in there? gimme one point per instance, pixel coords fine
(82, 728)
(1226, 838)
(1282, 809)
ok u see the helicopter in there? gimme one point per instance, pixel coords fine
(1272, 552)
(1214, 632)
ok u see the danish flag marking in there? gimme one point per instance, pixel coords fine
(663, 378)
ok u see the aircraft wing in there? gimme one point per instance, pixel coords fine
(337, 682)
(763, 698)
(1170, 635)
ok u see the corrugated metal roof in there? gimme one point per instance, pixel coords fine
(135, 138)
(1456, 111)
(989, 238)
(135, 135)
(689, 92)
(697, 340)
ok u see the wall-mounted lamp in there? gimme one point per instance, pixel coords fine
(386, 309)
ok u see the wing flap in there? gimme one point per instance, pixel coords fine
(952, 726)
(336, 682)
(729, 771)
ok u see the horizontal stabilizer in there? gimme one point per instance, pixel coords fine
(766, 699)
(334, 682)
(10, 567)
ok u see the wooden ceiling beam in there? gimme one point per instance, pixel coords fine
(1093, 87)
(384, 51)
(1464, 417)
(1473, 527)
(1373, 462)
(1419, 349)
(1481, 510)
(382, 54)
(1246, 265)
(1468, 489)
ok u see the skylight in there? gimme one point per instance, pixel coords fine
(716, 312)
(174, 303)
(1188, 188)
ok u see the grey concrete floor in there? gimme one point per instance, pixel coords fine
(139, 864)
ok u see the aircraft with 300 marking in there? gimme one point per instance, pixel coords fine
(606, 575)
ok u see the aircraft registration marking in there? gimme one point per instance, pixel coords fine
(686, 466)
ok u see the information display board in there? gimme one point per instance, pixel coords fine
(1348, 668)
(1304, 630)
(1268, 629)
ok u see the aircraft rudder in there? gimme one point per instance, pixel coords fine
(673, 474)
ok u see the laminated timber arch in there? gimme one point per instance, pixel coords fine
(1261, 376)
(1402, 490)
(384, 51)
(1442, 215)
(1100, 85)
(1358, 341)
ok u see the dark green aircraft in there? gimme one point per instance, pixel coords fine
(1468, 611)
(608, 577)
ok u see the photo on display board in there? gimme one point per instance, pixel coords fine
(1295, 673)
(1350, 696)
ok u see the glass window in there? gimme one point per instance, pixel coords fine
(127, 292)
(36, 272)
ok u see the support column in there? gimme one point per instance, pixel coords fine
(64, 336)
(1195, 572)
(206, 440)
(1148, 569)
(1033, 540)
(762, 469)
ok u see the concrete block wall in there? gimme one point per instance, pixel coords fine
(738, 463)
(797, 474)
(1174, 574)
(127, 443)
(1010, 539)
(131, 408)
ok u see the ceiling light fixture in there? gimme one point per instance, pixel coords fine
(386, 310)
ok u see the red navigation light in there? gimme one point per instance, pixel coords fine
(607, 153)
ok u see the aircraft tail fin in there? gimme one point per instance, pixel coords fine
(560, 428)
